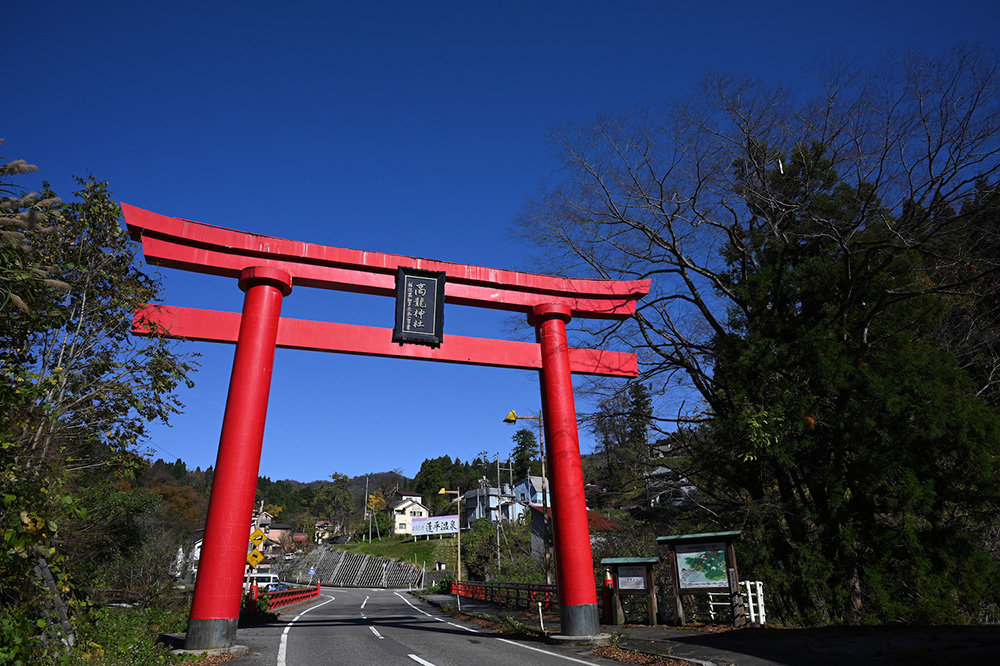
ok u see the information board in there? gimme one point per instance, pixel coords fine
(702, 565)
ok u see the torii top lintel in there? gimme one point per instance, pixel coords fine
(202, 248)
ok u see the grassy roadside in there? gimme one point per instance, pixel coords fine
(405, 549)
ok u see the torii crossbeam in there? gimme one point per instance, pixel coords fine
(267, 268)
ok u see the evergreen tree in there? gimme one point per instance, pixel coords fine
(525, 455)
(850, 445)
(622, 427)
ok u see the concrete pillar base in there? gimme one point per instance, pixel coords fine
(210, 634)
(579, 620)
(596, 639)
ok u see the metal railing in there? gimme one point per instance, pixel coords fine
(516, 595)
(292, 596)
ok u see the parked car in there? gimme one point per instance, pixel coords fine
(276, 587)
(262, 579)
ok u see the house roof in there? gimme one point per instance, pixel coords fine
(701, 536)
(534, 481)
(406, 501)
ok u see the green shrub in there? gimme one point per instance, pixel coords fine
(254, 613)
(126, 637)
(19, 641)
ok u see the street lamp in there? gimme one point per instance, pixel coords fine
(458, 500)
(512, 417)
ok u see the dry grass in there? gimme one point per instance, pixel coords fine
(616, 653)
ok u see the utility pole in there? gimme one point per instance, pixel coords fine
(499, 510)
(512, 417)
(367, 511)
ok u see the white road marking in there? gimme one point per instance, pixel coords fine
(419, 660)
(526, 647)
(375, 631)
(433, 617)
(365, 601)
(283, 645)
(551, 654)
(407, 601)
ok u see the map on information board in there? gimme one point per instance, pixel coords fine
(702, 565)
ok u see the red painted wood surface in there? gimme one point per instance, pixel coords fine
(183, 244)
(574, 559)
(215, 326)
(224, 551)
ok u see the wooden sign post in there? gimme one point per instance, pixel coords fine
(632, 576)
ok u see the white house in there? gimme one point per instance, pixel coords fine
(404, 510)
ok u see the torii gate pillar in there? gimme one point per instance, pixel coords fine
(571, 531)
(215, 610)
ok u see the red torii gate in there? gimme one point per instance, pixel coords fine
(267, 268)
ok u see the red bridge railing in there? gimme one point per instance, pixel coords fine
(516, 595)
(293, 596)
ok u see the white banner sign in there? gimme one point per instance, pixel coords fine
(435, 525)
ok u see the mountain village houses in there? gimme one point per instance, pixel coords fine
(508, 502)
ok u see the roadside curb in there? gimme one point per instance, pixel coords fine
(177, 642)
(607, 637)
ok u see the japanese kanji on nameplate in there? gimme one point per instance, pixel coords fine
(419, 306)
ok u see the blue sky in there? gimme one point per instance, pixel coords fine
(415, 128)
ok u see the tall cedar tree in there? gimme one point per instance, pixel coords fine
(525, 454)
(622, 426)
(853, 451)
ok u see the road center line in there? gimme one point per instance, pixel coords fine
(283, 645)
(551, 654)
(375, 631)
(365, 602)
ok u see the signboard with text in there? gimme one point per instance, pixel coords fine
(435, 525)
(419, 306)
(632, 577)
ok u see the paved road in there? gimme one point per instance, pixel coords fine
(362, 627)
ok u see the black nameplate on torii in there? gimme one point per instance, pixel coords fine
(419, 306)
